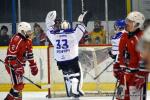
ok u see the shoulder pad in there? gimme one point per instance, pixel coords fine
(15, 39)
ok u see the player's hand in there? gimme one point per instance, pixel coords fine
(19, 70)
(34, 69)
(50, 18)
(119, 74)
(118, 71)
(81, 17)
(139, 83)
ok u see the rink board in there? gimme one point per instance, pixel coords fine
(106, 80)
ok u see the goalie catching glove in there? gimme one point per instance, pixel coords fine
(85, 17)
(50, 18)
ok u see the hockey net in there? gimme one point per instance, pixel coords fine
(94, 59)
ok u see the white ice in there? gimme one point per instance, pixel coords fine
(42, 96)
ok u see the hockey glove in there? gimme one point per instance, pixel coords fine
(17, 67)
(111, 55)
(34, 69)
(85, 17)
(19, 70)
(118, 72)
(50, 18)
(139, 82)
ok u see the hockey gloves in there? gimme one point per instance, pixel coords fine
(85, 17)
(50, 18)
(118, 72)
(19, 70)
(34, 69)
(139, 82)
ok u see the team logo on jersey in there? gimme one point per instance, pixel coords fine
(13, 47)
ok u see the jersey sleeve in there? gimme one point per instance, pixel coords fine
(122, 49)
(30, 55)
(79, 31)
(13, 47)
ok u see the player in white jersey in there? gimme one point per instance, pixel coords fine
(119, 27)
(65, 42)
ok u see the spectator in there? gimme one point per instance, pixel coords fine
(98, 34)
(4, 37)
(39, 37)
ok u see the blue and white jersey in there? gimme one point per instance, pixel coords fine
(115, 40)
(65, 42)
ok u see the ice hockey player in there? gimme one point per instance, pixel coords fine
(119, 27)
(18, 52)
(130, 59)
(65, 42)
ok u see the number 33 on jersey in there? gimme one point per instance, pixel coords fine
(66, 42)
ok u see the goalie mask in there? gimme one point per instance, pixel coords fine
(65, 25)
(24, 29)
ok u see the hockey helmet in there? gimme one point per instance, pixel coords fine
(23, 28)
(119, 24)
(65, 25)
(137, 18)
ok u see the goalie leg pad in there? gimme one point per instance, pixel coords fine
(75, 84)
(67, 84)
(80, 80)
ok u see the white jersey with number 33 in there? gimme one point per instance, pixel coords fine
(65, 42)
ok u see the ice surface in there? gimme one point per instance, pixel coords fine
(42, 96)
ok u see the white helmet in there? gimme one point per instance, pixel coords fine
(137, 17)
(23, 28)
(65, 25)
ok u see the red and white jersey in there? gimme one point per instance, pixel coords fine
(20, 48)
(128, 44)
(66, 42)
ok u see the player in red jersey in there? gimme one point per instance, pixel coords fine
(130, 59)
(19, 51)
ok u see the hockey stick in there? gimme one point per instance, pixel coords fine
(103, 70)
(41, 87)
(82, 5)
(115, 89)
